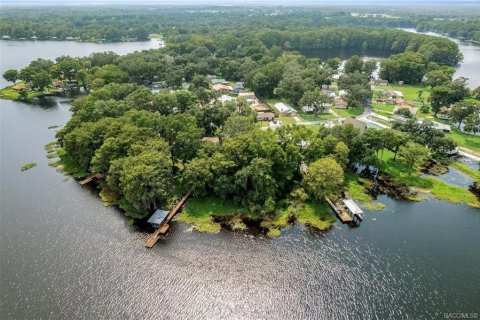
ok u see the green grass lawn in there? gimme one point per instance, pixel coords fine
(440, 189)
(474, 174)
(315, 117)
(287, 120)
(410, 92)
(316, 215)
(383, 107)
(199, 212)
(350, 112)
(466, 140)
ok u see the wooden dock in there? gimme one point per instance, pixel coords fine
(163, 228)
(89, 179)
(340, 212)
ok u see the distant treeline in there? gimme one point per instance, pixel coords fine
(136, 23)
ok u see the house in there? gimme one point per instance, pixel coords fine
(342, 93)
(211, 139)
(219, 81)
(247, 95)
(442, 127)
(439, 126)
(308, 109)
(158, 217)
(311, 109)
(394, 94)
(340, 103)
(353, 210)
(265, 116)
(222, 88)
(360, 125)
(57, 84)
(259, 107)
(239, 86)
(224, 98)
(444, 113)
(285, 110)
(19, 86)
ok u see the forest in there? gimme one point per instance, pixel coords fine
(137, 23)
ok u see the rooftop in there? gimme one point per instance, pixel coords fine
(157, 217)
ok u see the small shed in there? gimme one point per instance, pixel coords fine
(353, 209)
(265, 116)
(158, 217)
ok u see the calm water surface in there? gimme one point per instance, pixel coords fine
(65, 256)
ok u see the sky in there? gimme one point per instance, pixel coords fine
(239, 2)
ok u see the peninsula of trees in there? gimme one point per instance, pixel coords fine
(153, 146)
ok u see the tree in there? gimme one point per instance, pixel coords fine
(256, 184)
(409, 67)
(41, 80)
(316, 99)
(236, 125)
(353, 64)
(369, 67)
(324, 178)
(476, 93)
(413, 155)
(292, 87)
(440, 96)
(436, 78)
(145, 179)
(11, 75)
(26, 74)
(472, 123)
(461, 110)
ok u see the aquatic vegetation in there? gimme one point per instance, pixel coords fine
(28, 166)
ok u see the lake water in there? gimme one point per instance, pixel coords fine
(65, 256)
(470, 66)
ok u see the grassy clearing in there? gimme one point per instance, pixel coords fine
(474, 174)
(440, 189)
(315, 117)
(28, 166)
(9, 94)
(287, 120)
(466, 140)
(350, 112)
(316, 215)
(155, 36)
(355, 187)
(356, 190)
(383, 107)
(199, 212)
(410, 92)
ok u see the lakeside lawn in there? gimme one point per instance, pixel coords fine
(201, 213)
(440, 189)
(410, 92)
(466, 140)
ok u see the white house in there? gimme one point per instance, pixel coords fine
(285, 110)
